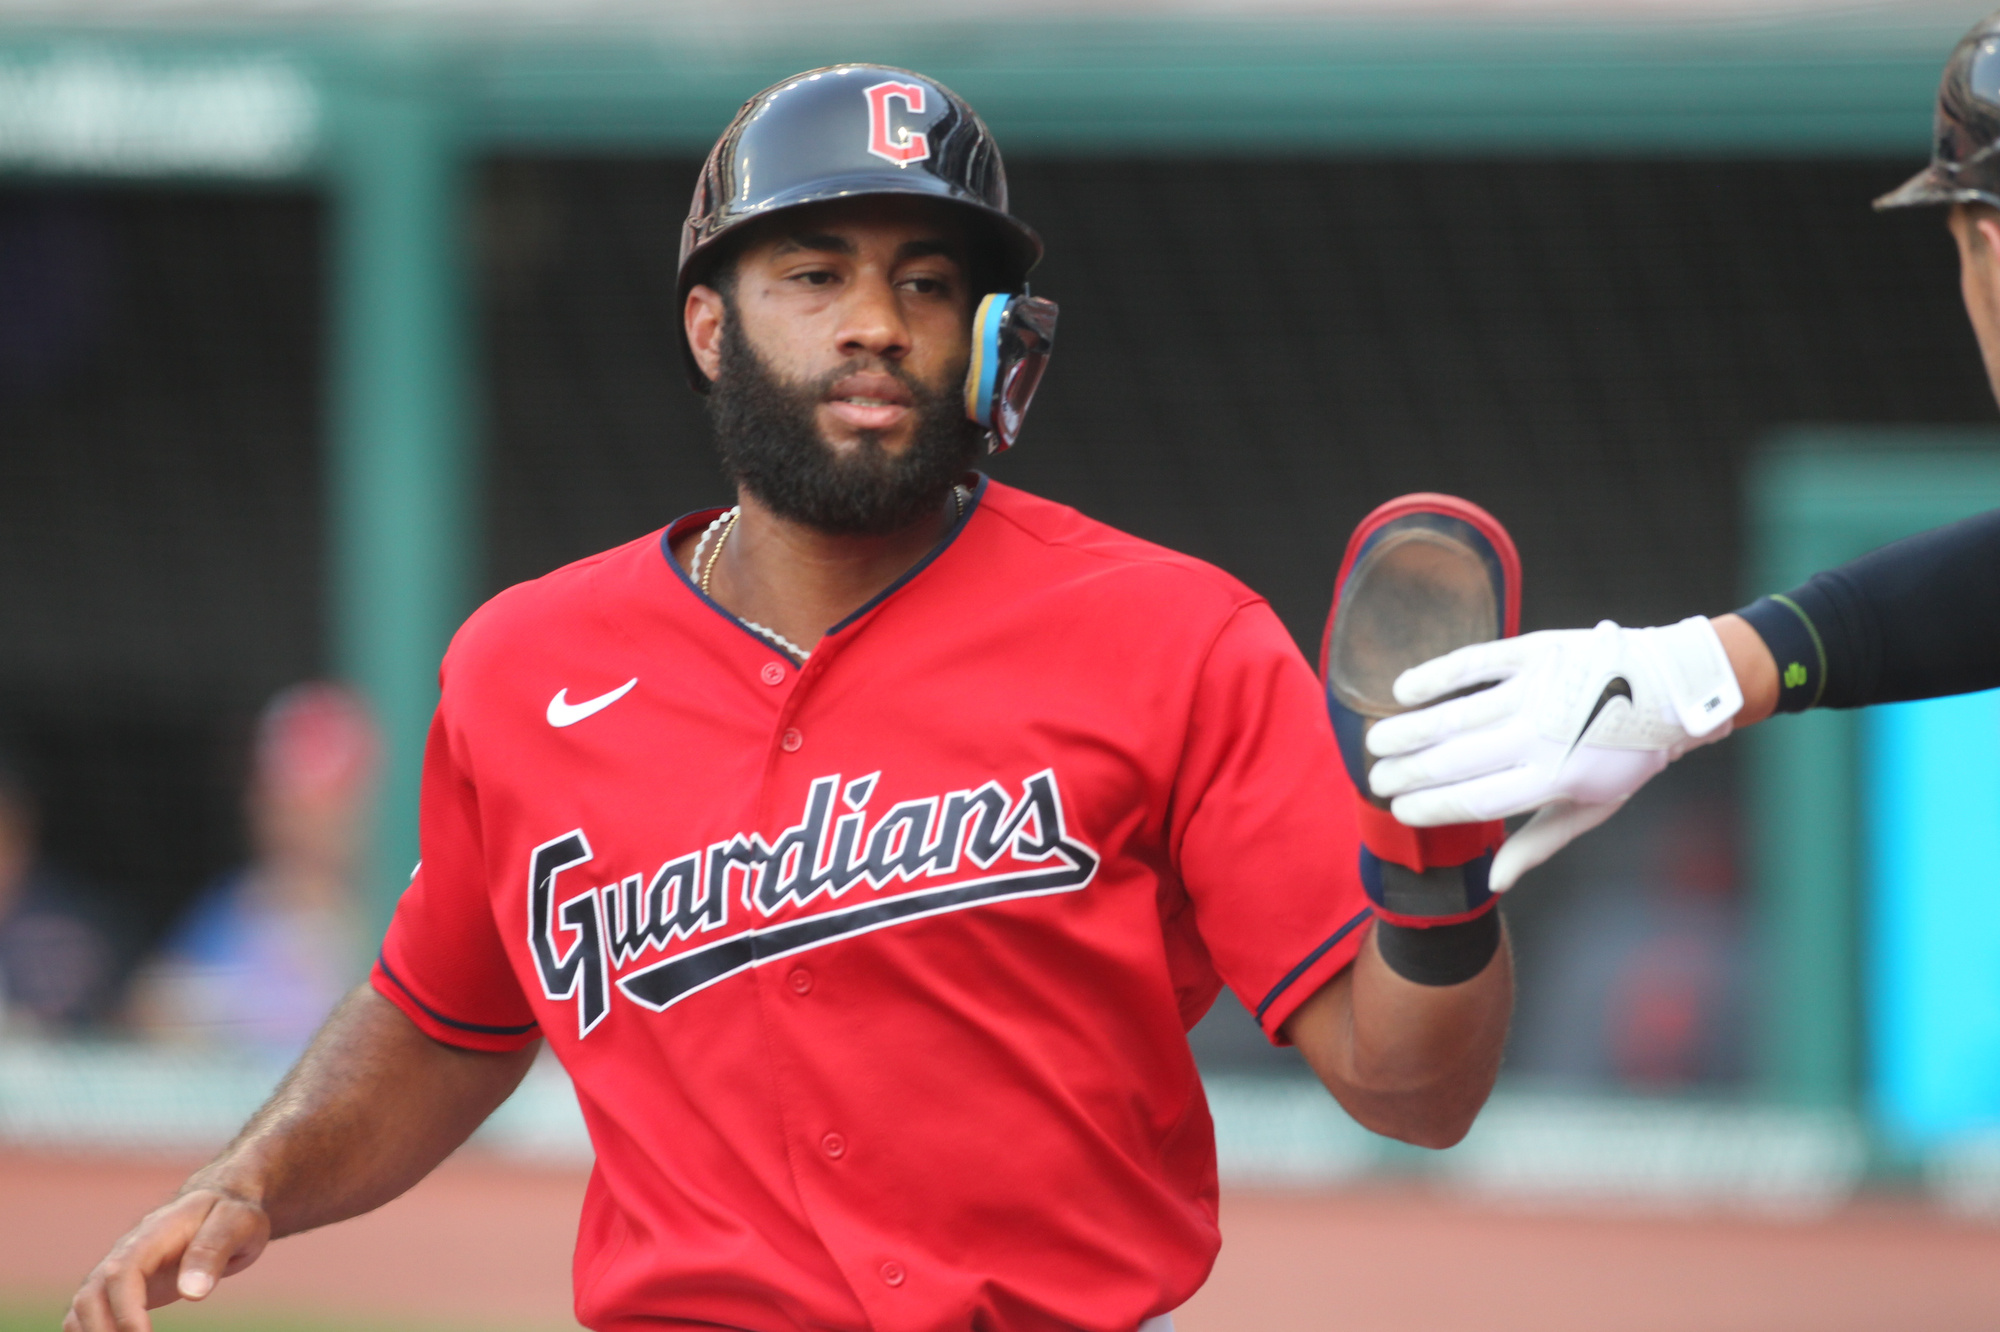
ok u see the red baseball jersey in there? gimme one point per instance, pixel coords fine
(874, 975)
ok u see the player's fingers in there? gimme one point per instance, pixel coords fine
(113, 1296)
(1497, 795)
(1435, 808)
(1457, 759)
(124, 1290)
(230, 1238)
(1427, 726)
(139, 1273)
(1480, 663)
(89, 1311)
(1553, 827)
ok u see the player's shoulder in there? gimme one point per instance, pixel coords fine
(1070, 543)
(576, 598)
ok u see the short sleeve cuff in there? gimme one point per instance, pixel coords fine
(1315, 969)
(442, 1027)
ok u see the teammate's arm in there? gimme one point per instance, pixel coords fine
(1411, 1061)
(1919, 618)
(369, 1109)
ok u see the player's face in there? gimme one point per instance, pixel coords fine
(838, 361)
(868, 299)
(1977, 231)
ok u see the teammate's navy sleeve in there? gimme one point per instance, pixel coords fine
(442, 961)
(1919, 618)
(1262, 825)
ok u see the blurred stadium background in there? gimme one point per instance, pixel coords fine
(320, 321)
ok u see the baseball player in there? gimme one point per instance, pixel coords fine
(866, 849)
(1579, 719)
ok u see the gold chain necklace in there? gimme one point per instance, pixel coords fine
(727, 522)
(708, 568)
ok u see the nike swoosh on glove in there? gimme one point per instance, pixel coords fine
(1574, 722)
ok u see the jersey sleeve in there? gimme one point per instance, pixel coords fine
(1263, 826)
(442, 961)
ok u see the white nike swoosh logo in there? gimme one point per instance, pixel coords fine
(562, 712)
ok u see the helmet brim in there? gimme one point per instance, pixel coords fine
(1931, 187)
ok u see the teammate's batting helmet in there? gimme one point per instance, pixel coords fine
(1965, 152)
(843, 132)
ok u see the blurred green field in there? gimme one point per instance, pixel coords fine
(46, 1316)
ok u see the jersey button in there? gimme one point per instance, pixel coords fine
(791, 740)
(893, 1273)
(834, 1146)
(773, 673)
(801, 981)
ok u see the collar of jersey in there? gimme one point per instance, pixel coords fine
(708, 515)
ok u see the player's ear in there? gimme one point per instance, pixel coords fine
(1986, 225)
(703, 320)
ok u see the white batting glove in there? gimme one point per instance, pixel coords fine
(1575, 722)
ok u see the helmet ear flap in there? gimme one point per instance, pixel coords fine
(1012, 337)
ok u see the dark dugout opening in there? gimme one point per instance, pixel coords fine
(160, 517)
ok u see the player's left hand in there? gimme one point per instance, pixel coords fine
(1574, 722)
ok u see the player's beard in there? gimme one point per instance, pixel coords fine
(767, 431)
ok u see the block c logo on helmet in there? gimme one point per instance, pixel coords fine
(896, 144)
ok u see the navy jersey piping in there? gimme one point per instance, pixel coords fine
(667, 552)
(434, 1015)
(1310, 958)
(951, 535)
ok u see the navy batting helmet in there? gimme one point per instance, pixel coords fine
(1965, 151)
(841, 133)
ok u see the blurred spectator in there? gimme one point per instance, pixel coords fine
(59, 954)
(1642, 979)
(263, 955)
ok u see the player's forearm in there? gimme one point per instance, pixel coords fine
(1414, 1062)
(370, 1108)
